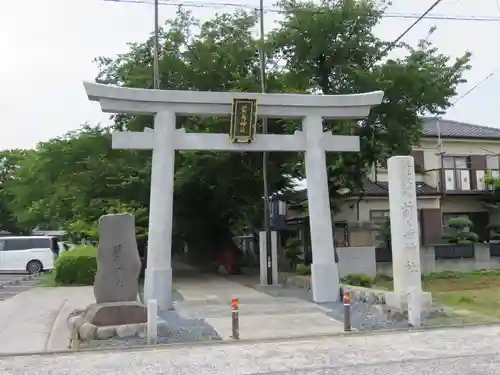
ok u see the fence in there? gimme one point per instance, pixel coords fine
(367, 260)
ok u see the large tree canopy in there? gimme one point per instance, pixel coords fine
(328, 48)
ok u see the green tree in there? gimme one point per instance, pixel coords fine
(460, 232)
(216, 193)
(70, 181)
(9, 163)
(330, 48)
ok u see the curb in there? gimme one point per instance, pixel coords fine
(20, 279)
(243, 341)
(55, 323)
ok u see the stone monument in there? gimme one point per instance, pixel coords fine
(405, 238)
(118, 262)
(117, 310)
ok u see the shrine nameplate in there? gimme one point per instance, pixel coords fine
(243, 120)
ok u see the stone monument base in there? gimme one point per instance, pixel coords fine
(116, 313)
(107, 320)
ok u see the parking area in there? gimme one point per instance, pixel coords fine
(12, 284)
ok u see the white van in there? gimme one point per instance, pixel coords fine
(28, 253)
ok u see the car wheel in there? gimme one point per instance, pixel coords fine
(34, 266)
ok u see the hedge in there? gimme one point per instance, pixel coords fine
(77, 266)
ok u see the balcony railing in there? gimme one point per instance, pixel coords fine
(464, 180)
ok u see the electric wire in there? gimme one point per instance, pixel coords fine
(417, 17)
(222, 5)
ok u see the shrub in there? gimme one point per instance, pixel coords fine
(460, 232)
(303, 270)
(77, 266)
(383, 235)
(358, 280)
(494, 230)
(293, 252)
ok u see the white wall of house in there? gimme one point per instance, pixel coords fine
(457, 147)
(349, 210)
(451, 147)
(381, 175)
(461, 204)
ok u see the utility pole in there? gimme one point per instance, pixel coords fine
(156, 64)
(267, 219)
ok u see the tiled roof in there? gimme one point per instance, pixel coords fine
(382, 188)
(455, 129)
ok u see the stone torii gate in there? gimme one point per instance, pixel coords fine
(165, 105)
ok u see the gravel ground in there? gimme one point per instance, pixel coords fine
(469, 351)
(363, 315)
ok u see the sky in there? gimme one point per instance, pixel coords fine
(48, 47)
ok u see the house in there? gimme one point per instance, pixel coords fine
(451, 161)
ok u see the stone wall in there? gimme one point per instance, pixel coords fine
(386, 298)
(361, 260)
(429, 264)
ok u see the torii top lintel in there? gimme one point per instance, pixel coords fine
(115, 99)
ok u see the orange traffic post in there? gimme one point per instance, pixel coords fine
(235, 319)
(347, 312)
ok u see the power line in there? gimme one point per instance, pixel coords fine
(265, 156)
(408, 29)
(418, 17)
(156, 62)
(476, 86)
(217, 5)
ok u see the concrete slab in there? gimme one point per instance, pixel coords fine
(75, 298)
(33, 320)
(271, 326)
(26, 320)
(204, 304)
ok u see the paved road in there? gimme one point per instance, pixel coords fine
(18, 285)
(467, 351)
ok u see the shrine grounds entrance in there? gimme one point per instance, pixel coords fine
(165, 139)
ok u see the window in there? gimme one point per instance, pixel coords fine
(379, 216)
(456, 162)
(492, 162)
(2, 244)
(13, 244)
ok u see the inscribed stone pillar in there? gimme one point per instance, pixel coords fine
(118, 262)
(404, 225)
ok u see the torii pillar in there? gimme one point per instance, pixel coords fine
(165, 105)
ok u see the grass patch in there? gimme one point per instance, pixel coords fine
(475, 295)
(47, 280)
(477, 291)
